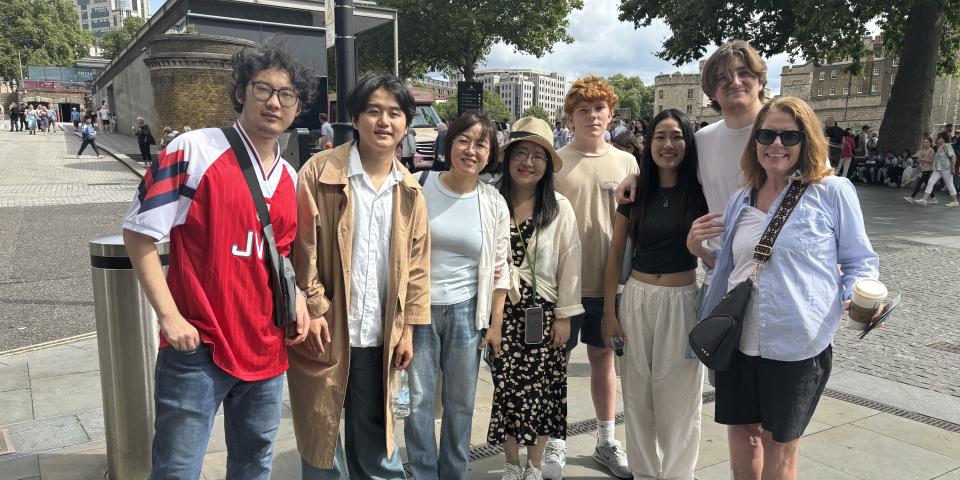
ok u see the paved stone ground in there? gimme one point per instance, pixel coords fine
(50, 206)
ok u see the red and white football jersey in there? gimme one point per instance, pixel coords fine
(196, 194)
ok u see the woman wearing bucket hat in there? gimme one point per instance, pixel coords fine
(529, 374)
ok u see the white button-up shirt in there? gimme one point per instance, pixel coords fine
(372, 224)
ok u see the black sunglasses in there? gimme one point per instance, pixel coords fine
(788, 138)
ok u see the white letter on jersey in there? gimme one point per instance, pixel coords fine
(251, 237)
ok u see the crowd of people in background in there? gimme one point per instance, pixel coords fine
(933, 168)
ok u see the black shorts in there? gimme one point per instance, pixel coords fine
(780, 396)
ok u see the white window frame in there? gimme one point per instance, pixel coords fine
(819, 91)
(876, 70)
(859, 89)
(833, 91)
(833, 73)
(821, 76)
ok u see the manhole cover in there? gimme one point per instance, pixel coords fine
(6, 445)
(946, 347)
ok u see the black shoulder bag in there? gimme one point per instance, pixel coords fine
(715, 339)
(283, 282)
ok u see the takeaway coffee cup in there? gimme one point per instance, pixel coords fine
(868, 295)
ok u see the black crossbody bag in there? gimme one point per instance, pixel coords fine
(715, 339)
(283, 282)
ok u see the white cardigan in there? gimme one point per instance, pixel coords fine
(557, 248)
(494, 249)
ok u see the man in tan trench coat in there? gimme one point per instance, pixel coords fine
(362, 257)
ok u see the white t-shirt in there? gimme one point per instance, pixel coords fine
(455, 242)
(750, 227)
(719, 150)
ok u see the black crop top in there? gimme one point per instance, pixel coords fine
(662, 246)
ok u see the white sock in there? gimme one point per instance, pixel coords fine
(605, 432)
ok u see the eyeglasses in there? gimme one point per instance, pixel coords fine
(788, 138)
(522, 155)
(263, 91)
(465, 143)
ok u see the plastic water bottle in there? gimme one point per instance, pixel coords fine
(400, 395)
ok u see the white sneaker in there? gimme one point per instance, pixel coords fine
(910, 199)
(99, 156)
(931, 201)
(953, 204)
(532, 473)
(922, 202)
(512, 472)
(614, 457)
(554, 459)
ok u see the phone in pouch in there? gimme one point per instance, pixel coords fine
(533, 321)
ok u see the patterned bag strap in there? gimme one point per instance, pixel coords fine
(764, 249)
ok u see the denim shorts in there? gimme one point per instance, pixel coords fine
(780, 396)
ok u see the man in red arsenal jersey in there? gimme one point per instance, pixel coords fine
(219, 343)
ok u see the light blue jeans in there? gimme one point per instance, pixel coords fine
(449, 345)
(364, 426)
(189, 390)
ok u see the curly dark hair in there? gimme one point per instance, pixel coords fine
(247, 63)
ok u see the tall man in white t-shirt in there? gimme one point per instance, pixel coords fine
(592, 169)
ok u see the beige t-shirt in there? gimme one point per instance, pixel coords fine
(589, 182)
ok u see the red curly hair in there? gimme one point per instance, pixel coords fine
(590, 89)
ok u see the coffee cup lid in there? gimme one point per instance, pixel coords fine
(869, 287)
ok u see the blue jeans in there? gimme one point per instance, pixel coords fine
(189, 390)
(449, 345)
(364, 426)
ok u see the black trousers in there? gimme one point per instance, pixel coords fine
(89, 141)
(924, 178)
(145, 151)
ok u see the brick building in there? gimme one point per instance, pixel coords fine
(856, 100)
(682, 91)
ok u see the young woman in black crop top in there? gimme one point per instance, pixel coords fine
(661, 388)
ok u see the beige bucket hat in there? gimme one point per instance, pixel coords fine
(533, 129)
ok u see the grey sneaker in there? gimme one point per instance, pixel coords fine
(932, 201)
(512, 472)
(554, 459)
(910, 199)
(532, 473)
(614, 457)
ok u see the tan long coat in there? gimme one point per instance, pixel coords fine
(322, 256)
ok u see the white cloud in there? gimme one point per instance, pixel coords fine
(604, 45)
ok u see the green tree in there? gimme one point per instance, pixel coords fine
(924, 34)
(537, 111)
(493, 107)
(43, 32)
(115, 41)
(633, 95)
(446, 36)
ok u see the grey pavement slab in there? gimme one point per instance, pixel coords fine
(864, 454)
(46, 434)
(20, 468)
(92, 423)
(66, 394)
(14, 377)
(907, 397)
(17, 406)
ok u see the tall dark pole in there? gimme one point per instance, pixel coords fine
(346, 68)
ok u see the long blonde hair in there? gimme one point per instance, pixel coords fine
(812, 164)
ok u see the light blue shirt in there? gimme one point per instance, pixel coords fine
(801, 291)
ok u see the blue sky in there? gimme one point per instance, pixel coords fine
(605, 46)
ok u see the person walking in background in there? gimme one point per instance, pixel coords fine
(661, 388)
(104, 115)
(75, 118)
(15, 113)
(469, 241)
(846, 153)
(88, 136)
(43, 119)
(944, 162)
(54, 120)
(530, 373)
(144, 139)
(629, 143)
(440, 150)
(925, 159)
(31, 117)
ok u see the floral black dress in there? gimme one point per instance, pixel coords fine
(529, 381)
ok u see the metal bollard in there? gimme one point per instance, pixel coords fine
(127, 337)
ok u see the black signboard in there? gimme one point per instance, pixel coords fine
(469, 97)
